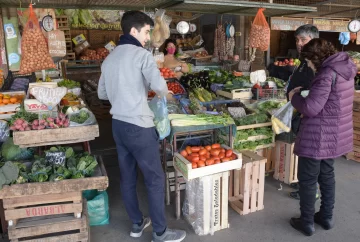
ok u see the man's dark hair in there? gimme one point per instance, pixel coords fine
(309, 30)
(135, 19)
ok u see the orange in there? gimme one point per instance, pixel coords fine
(6, 100)
(13, 100)
(1, 95)
(1, 104)
(1, 100)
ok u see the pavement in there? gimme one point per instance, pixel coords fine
(270, 224)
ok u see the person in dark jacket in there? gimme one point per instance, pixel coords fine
(302, 76)
(326, 130)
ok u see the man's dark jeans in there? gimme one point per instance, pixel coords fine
(310, 172)
(139, 147)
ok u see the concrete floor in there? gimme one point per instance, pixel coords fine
(270, 224)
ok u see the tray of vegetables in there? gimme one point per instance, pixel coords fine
(198, 161)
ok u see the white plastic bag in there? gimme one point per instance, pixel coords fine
(258, 76)
(91, 119)
(161, 120)
(281, 120)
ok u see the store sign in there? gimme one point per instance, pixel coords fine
(290, 24)
(56, 43)
(328, 25)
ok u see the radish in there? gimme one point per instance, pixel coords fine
(27, 129)
(19, 121)
(18, 126)
(21, 129)
(12, 127)
(42, 121)
(35, 122)
(34, 127)
(57, 121)
(24, 125)
(41, 127)
(50, 119)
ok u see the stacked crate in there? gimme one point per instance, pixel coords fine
(355, 155)
(63, 25)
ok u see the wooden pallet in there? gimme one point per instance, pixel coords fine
(212, 212)
(35, 138)
(286, 163)
(42, 205)
(69, 48)
(62, 21)
(246, 189)
(58, 228)
(67, 34)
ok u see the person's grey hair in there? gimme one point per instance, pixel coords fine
(307, 30)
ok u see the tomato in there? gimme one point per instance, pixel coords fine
(221, 155)
(215, 146)
(195, 154)
(233, 156)
(225, 159)
(195, 149)
(223, 150)
(207, 155)
(201, 164)
(217, 160)
(208, 147)
(183, 153)
(214, 152)
(228, 153)
(188, 150)
(195, 158)
(194, 165)
(202, 152)
(203, 157)
(209, 162)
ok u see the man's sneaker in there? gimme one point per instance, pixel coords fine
(170, 235)
(136, 230)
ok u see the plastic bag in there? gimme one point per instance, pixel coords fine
(97, 206)
(197, 208)
(161, 120)
(260, 32)
(281, 120)
(77, 117)
(34, 49)
(4, 131)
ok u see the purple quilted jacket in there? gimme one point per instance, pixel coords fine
(326, 130)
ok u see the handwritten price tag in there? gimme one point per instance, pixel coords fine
(49, 96)
(56, 158)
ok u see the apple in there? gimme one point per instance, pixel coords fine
(276, 63)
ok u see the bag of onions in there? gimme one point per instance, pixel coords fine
(34, 49)
(260, 32)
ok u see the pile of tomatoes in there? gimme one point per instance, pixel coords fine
(175, 87)
(167, 73)
(200, 156)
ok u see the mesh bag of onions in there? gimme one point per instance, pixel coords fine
(35, 53)
(260, 32)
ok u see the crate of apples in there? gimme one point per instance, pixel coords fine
(175, 87)
(167, 73)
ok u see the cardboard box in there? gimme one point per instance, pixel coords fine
(81, 47)
(79, 39)
(110, 46)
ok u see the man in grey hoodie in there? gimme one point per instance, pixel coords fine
(127, 74)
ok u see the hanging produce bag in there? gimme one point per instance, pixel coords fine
(161, 120)
(34, 49)
(260, 32)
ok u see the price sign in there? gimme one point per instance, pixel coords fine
(49, 96)
(56, 158)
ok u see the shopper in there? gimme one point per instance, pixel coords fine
(170, 60)
(302, 76)
(127, 74)
(326, 130)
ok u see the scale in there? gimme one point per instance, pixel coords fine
(183, 27)
(192, 28)
(48, 23)
(354, 26)
(230, 31)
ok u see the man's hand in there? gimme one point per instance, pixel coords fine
(293, 91)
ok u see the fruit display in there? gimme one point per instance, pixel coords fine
(175, 87)
(70, 99)
(167, 73)
(6, 99)
(200, 54)
(98, 54)
(288, 62)
(201, 156)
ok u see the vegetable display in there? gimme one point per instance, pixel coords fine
(70, 84)
(201, 156)
(251, 145)
(175, 87)
(80, 117)
(200, 119)
(44, 122)
(252, 119)
(167, 73)
(245, 134)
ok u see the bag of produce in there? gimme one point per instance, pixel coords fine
(281, 120)
(34, 49)
(260, 32)
(161, 120)
(82, 118)
(97, 206)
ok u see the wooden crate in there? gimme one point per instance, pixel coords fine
(34, 138)
(67, 34)
(286, 163)
(246, 189)
(58, 228)
(208, 202)
(268, 153)
(185, 167)
(62, 21)
(70, 56)
(98, 181)
(69, 48)
(244, 93)
(7, 111)
(355, 156)
(42, 205)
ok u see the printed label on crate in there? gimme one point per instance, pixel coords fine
(181, 166)
(35, 107)
(56, 158)
(216, 202)
(282, 159)
(47, 210)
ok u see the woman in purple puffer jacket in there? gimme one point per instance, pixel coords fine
(326, 130)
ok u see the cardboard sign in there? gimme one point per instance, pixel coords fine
(56, 43)
(281, 23)
(56, 158)
(331, 25)
(49, 96)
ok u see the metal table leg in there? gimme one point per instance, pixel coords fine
(167, 183)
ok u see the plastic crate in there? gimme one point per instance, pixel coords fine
(265, 94)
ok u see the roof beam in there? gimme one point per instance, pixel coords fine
(343, 11)
(169, 4)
